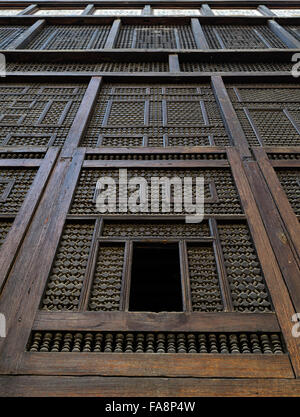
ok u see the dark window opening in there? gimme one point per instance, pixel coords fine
(155, 278)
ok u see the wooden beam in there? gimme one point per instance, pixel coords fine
(283, 35)
(199, 35)
(22, 41)
(276, 285)
(135, 321)
(230, 119)
(113, 34)
(97, 386)
(265, 10)
(88, 11)
(29, 274)
(29, 10)
(147, 10)
(206, 10)
(171, 365)
(82, 117)
(281, 200)
(174, 65)
(15, 236)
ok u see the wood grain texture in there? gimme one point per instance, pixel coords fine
(96, 386)
(152, 365)
(277, 288)
(122, 321)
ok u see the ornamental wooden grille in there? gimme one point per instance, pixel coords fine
(161, 92)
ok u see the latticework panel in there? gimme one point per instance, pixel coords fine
(286, 12)
(294, 30)
(268, 113)
(176, 12)
(156, 37)
(67, 275)
(235, 66)
(163, 229)
(290, 181)
(155, 156)
(9, 34)
(71, 37)
(107, 280)
(160, 115)
(5, 225)
(117, 12)
(155, 66)
(204, 282)
(128, 342)
(37, 114)
(227, 201)
(236, 12)
(59, 12)
(14, 185)
(241, 37)
(248, 290)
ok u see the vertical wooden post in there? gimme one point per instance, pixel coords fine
(113, 34)
(230, 119)
(174, 63)
(199, 35)
(23, 40)
(89, 10)
(206, 10)
(283, 35)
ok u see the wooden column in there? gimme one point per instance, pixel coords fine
(230, 119)
(83, 115)
(113, 34)
(199, 35)
(174, 63)
(283, 35)
(23, 40)
(206, 10)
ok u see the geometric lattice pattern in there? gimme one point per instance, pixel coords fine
(66, 278)
(37, 114)
(241, 37)
(204, 283)
(164, 115)
(290, 181)
(227, 201)
(106, 289)
(156, 37)
(248, 290)
(14, 185)
(71, 37)
(159, 66)
(9, 34)
(269, 114)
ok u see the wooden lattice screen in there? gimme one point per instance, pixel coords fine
(161, 90)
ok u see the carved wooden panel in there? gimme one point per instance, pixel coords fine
(38, 114)
(241, 37)
(268, 113)
(156, 37)
(164, 115)
(71, 37)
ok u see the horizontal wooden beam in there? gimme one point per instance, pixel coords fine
(133, 321)
(170, 365)
(97, 386)
(156, 164)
